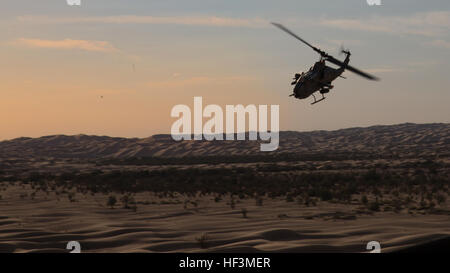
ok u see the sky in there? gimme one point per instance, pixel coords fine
(117, 67)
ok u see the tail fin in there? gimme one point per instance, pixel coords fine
(347, 58)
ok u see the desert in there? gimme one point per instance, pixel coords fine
(321, 191)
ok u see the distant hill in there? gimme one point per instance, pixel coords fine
(403, 139)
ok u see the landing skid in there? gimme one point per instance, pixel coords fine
(316, 101)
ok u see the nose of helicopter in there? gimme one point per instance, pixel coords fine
(298, 86)
(300, 90)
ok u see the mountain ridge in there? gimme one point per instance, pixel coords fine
(431, 138)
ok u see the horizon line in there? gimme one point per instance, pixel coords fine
(224, 134)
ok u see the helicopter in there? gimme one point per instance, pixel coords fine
(320, 76)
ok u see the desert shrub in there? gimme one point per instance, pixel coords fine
(111, 201)
(397, 204)
(127, 200)
(259, 201)
(429, 196)
(423, 204)
(289, 198)
(307, 200)
(344, 195)
(244, 212)
(282, 216)
(441, 198)
(374, 206)
(71, 196)
(408, 200)
(431, 204)
(376, 191)
(203, 240)
(364, 200)
(396, 193)
(372, 175)
(232, 203)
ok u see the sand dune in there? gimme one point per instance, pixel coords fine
(420, 139)
(55, 189)
(47, 225)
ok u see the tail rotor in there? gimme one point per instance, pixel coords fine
(345, 51)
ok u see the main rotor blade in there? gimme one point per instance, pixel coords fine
(329, 58)
(283, 28)
(352, 69)
(362, 74)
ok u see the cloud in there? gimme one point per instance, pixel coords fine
(435, 23)
(67, 44)
(134, 19)
(380, 70)
(426, 23)
(346, 42)
(177, 82)
(440, 43)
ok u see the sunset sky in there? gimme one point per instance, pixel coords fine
(116, 67)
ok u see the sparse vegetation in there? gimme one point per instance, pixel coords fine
(374, 206)
(364, 200)
(232, 203)
(128, 202)
(420, 184)
(259, 201)
(291, 183)
(203, 240)
(244, 212)
(111, 201)
(71, 196)
(441, 198)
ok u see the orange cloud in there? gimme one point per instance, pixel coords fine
(440, 43)
(134, 19)
(67, 44)
(196, 81)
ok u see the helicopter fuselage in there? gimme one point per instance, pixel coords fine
(314, 80)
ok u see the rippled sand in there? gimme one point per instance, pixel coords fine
(46, 224)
